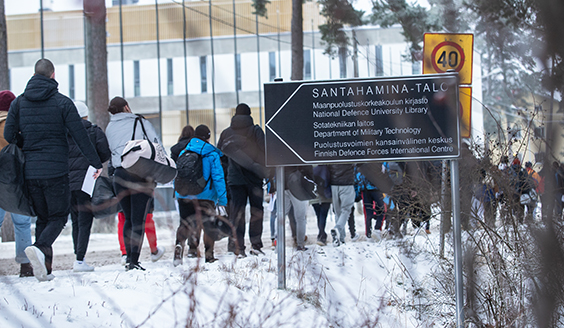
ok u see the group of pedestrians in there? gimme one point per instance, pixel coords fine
(228, 188)
(60, 144)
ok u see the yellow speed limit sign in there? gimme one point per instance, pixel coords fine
(465, 99)
(445, 51)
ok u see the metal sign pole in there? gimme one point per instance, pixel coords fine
(444, 216)
(280, 229)
(458, 278)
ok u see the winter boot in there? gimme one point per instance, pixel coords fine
(178, 251)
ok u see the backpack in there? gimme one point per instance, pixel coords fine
(235, 147)
(190, 177)
(395, 173)
(373, 173)
(301, 186)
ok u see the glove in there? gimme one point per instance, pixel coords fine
(221, 211)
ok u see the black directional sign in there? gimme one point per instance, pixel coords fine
(358, 120)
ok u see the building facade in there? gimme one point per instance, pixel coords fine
(190, 68)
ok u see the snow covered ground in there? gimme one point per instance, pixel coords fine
(359, 284)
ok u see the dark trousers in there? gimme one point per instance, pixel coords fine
(421, 213)
(351, 223)
(135, 203)
(192, 214)
(490, 208)
(50, 199)
(81, 217)
(373, 201)
(321, 211)
(417, 209)
(239, 196)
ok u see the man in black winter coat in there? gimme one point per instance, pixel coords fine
(42, 117)
(244, 184)
(81, 210)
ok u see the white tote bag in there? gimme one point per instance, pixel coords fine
(146, 159)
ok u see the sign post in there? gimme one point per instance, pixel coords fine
(281, 228)
(445, 52)
(457, 234)
(358, 120)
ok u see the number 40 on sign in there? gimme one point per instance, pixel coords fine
(446, 51)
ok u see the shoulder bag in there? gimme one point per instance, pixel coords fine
(146, 159)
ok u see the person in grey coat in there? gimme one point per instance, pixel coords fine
(136, 192)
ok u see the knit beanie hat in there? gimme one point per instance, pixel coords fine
(202, 132)
(243, 109)
(516, 161)
(81, 108)
(6, 98)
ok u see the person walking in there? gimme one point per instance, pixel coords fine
(81, 210)
(22, 223)
(195, 210)
(185, 136)
(150, 232)
(373, 203)
(43, 117)
(342, 190)
(245, 185)
(419, 192)
(296, 205)
(137, 192)
(322, 204)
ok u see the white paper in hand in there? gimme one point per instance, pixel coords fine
(89, 181)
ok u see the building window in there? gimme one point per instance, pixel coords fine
(307, 64)
(203, 74)
(272, 65)
(71, 81)
(238, 71)
(379, 61)
(539, 132)
(136, 79)
(416, 68)
(343, 62)
(169, 82)
(124, 2)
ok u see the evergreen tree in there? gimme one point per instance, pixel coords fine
(337, 14)
(414, 19)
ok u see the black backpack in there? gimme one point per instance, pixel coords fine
(190, 178)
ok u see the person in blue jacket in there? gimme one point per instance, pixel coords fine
(373, 201)
(194, 210)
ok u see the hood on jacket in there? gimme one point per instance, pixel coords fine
(239, 122)
(201, 147)
(40, 88)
